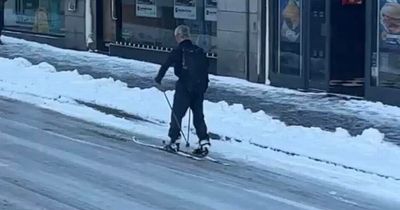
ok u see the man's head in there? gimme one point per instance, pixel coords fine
(182, 33)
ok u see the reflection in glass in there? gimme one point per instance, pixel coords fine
(290, 37)
(38, 16)
(159, 30)
(389, 44)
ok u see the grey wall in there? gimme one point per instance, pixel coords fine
(95, 15)
(254, 33)
(75, 26)
(232, 35)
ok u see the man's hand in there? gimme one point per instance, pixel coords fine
(158, 80)
(158, 84)
(160, 87)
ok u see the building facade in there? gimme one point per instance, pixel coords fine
(341, 46)
(229, 30)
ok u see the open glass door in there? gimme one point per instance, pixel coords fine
(318, 45)
(300, 52)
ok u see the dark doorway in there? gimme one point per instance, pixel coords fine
(107, 22)
(347, 53)
(318, 45)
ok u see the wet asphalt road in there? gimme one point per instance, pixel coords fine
(51, 161)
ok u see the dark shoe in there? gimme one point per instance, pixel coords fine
(172, 148)
(203, 149)
(173, 145)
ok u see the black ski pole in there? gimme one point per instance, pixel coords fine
(176, 120)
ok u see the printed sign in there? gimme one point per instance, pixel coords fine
(210, 10)
(146, 8)
(185, 9)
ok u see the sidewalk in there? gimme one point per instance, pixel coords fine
(291, 107)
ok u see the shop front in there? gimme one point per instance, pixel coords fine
(348, 47)
(383, 51)
(144, 29)
(318, 45)
(299, 49)
(35, 16)
(56, 22)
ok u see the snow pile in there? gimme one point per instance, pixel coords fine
(34, 83)
(119, 67)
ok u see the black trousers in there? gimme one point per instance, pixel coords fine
(1, 19)
(1, 15)
(183, 100)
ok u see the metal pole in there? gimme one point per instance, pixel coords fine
(176, 120)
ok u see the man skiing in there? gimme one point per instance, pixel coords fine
(2, 2)
(191, 67)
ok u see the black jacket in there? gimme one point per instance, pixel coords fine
(174, 59)
(2, 2)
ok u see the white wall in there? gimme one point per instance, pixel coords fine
(267, 45)
(88, 22)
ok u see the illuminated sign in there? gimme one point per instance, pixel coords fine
(351, 2)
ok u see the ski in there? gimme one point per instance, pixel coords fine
(180, 153)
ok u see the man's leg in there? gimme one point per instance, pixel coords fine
(1, 29)
(1, 20)
(198, 116)
(179, 108)
(199, 123)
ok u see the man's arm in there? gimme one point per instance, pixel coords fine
(163, 69)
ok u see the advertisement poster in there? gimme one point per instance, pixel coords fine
(210, 10)
(146, 8)
(290, 20)
(390, 24)
(41, 24)
(185, 9)
(389, 37)
(290, 37)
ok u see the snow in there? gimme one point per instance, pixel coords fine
(371, 111)
(42, 85)
(144, 68)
